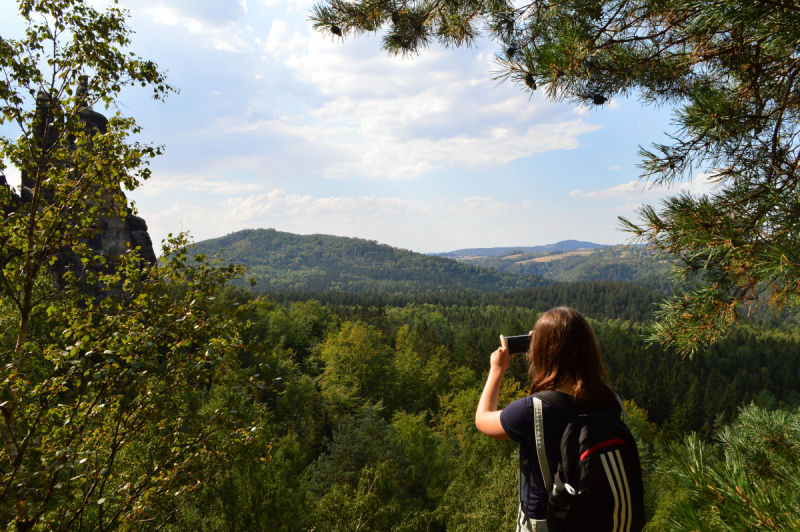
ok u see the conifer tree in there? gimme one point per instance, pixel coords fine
(749, 482)
(730, 70)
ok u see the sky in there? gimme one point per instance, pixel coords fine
(277, 126)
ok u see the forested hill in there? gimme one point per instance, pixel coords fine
(324, 262)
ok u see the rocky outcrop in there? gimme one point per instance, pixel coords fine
(116, 235)
(139, 237)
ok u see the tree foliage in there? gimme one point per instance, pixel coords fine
(122, 392)
(375, 419)
(598, 299)
(125, 408)
(749, 481)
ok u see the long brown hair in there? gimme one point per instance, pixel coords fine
(564, 348)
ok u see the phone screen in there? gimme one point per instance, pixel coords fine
(518, 344)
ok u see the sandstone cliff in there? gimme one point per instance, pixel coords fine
(116, 235)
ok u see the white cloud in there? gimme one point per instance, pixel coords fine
(209, 12)
(346, 110)
(382, 117)
(376, 117)
(702, 184)
(639, 189)
(630, 207)
(186, 182)
(392, 158)
(278, 203)
(437, 224)
(479, 206)
(223, 34)
(625, 190)
(279, 40)
(482, 149)
(615, 167)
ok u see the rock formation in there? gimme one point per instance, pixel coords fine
(116, 236)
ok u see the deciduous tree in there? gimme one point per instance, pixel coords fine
(120, 398)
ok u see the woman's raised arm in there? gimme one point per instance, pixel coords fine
(487, 417)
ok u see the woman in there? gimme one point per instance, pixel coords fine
(564, 357)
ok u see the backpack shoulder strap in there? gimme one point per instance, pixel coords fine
(538, 424)
(560, 401)
(622, 406)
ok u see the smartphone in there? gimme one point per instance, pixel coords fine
(518, 344)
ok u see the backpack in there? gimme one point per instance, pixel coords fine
(598, 483)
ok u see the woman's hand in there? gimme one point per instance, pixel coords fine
(500, 358)
(487, 416)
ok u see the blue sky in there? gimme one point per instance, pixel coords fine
(278, 126)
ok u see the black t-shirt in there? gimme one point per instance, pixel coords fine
(517, 421)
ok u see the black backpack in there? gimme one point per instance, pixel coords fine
(597, 486)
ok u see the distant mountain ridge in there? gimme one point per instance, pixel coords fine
(564, 245)
(323, 262)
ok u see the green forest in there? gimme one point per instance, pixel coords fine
(610, 299)
(371, 414)
(363, 408)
